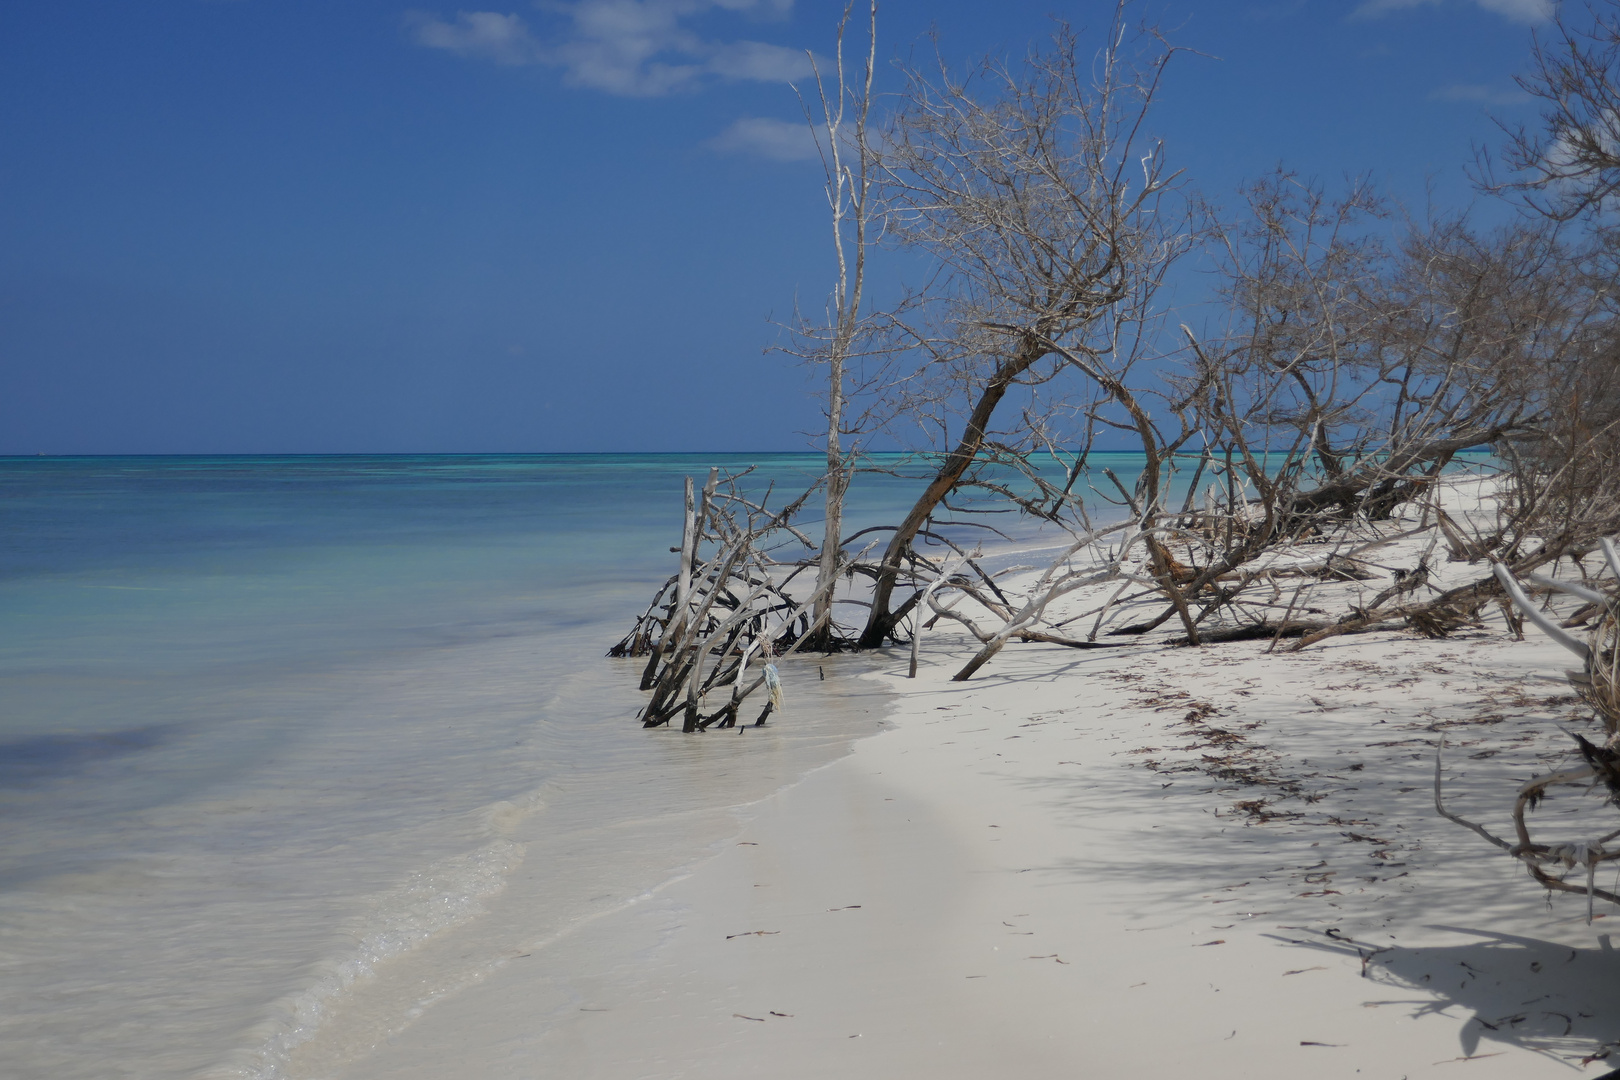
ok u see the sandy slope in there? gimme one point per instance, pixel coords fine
(1142, 862)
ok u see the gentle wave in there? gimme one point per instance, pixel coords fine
(446, 895)
(298, 745)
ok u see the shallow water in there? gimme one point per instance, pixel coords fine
(272, 728)
(292, 747)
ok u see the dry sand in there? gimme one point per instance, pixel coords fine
(1136, 862)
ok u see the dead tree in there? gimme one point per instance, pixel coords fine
(1568, 166)
(1350, 371)
(1044, 203)
(726, 608)
(842, 341)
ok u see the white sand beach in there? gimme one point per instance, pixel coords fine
(1147, 861)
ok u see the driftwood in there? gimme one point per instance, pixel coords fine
(727, 608)
(928, 602)
(1597, 683)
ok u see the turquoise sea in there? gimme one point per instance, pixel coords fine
(270, 726)
(291, 747)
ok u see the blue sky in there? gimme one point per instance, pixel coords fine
(279, 226)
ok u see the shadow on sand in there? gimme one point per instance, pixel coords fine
(1535, 995)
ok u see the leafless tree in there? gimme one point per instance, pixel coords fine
(1351, 370)
(1373, 362)
(838, 117)
(1567, 166)
(1040, 194)
(727, 606)
(1566, 169)
(1358, 353)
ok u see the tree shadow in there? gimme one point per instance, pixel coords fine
(1534, 995)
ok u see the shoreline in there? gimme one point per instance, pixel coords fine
(1031, 872)
(584, 846)
(1143, 861)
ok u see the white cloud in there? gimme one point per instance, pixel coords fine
(484, 34)
(755, 60)
(636, 48)
(778, 140)
(1529, 11)
(1526, 11)
(1485, 95)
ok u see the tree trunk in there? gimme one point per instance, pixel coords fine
(832, 538)
(881, 622)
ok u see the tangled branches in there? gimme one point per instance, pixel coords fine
(726, 607)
